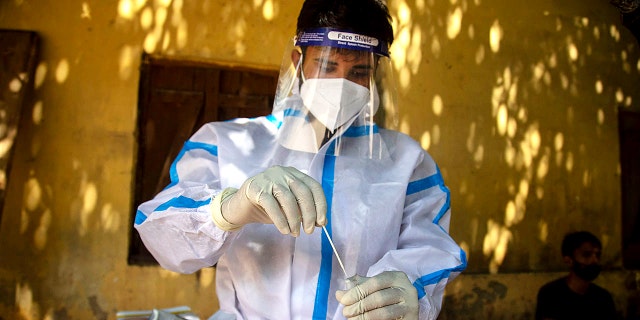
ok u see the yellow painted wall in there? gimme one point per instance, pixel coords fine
(516, 103)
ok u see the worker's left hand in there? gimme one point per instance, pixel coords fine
(389, 295)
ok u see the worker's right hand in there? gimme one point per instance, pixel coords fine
(283, 196)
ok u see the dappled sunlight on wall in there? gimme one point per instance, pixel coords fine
(536, 130)
(407, 47)
(62, 71)
(169, 31)
(495, 36)
(25, 304)
(33, 194)
(495, 244)
(36, 213)
(36, 219)
(153, 19)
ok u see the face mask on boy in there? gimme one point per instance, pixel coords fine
(587, 272)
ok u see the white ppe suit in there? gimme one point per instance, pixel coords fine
(384, 214)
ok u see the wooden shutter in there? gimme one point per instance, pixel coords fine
(175, 98)
(18, 59)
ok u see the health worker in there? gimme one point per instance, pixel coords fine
(243, 190)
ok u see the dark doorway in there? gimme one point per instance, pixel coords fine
(629, 126)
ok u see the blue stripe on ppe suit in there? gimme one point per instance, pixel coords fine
(324, 278)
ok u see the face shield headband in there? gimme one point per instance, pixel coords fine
(331, 84)
(329, 37)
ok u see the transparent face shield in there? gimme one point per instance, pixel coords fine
(335, 93)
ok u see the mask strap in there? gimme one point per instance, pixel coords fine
(301, 69)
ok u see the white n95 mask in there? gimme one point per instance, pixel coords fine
(334, 101)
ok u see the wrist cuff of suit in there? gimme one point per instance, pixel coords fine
(216, 210)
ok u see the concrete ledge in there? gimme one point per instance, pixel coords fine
(513, 296)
